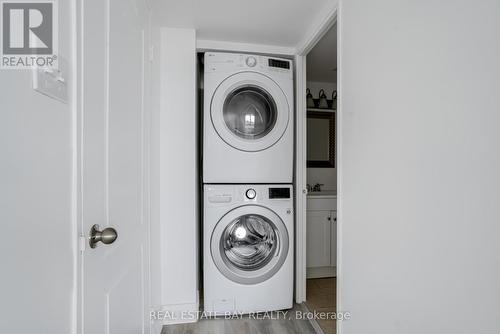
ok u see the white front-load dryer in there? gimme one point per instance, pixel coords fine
(248, 248)
(248, 119)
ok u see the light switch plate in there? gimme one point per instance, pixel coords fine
(52, 82)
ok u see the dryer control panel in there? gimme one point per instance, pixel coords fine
(279, 63)
(229, 62)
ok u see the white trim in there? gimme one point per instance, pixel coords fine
(179, 313)
(212, 45)
(326, 19)
(147, 158)
(339, 165)
(321, 272)
(78, 87)
(75, 171)
(300, 181)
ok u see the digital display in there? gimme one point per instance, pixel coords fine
(279, 63)
(279, 193)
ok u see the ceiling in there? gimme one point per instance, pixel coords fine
(323, 58)
(271, 22)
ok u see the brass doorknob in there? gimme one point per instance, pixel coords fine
(106, 236)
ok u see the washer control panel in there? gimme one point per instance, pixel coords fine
(229, 195)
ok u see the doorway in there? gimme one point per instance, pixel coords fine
(321, 209)
(317, 166)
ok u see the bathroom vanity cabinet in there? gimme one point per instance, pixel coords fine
(321, 234)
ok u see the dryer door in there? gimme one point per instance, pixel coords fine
(249, 244)
(249, 111)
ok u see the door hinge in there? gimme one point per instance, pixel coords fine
(82, 243)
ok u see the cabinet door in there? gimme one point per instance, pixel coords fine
(333, 256)
(318, 238)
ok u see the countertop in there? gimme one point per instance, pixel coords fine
(322, 194)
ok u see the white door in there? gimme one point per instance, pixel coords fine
(111, 123)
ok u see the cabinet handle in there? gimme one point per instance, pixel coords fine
(329, 218)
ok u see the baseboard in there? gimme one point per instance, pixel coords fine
(321, 272)
(172, 314)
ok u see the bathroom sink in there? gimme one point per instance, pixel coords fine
(326, 193)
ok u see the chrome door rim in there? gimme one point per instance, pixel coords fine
(239, 80)
(262, 274)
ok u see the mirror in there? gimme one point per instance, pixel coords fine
(320, 139)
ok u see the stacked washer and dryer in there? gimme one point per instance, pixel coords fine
(248, 220)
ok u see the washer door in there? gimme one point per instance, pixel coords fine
(249, 244)
(249, 111)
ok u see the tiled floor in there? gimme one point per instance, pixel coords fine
(321, 297)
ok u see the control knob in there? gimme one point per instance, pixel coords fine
(251, 193)
(251, 61)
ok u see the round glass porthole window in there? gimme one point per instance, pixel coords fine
(249, 242)
(250, 112)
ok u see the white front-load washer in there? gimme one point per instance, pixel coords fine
(248, 119)
(248, 248)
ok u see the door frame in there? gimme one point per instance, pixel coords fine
(331, 16)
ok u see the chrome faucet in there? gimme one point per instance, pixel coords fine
(317, 187)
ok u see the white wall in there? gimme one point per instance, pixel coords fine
(174, 175)
(325, 176)
(37, 252)
(419, 179)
